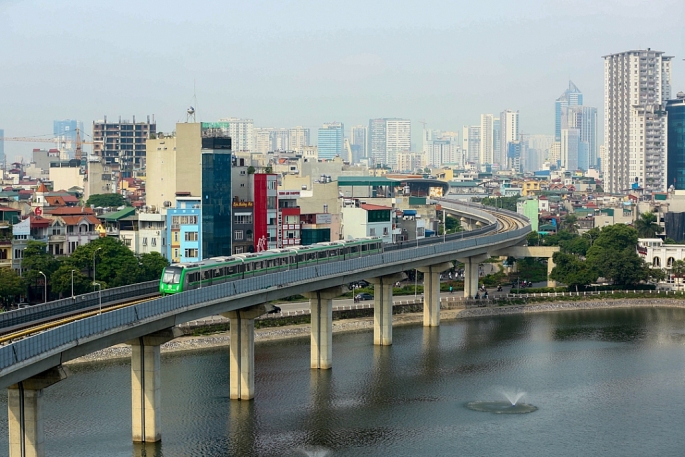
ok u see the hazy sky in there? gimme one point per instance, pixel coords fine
(290, 63)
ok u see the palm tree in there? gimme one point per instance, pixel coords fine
(569, 223)
(646, 225)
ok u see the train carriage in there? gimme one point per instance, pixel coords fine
(186, 276)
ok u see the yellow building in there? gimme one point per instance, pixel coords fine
(530, 188)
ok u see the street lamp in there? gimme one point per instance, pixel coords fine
(99, 286)
(94, 253)
(45, 282)
(72, 284)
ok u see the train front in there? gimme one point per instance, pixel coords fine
(171, 282)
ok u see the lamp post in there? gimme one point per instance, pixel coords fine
(45, 283)
(94, 254)
(72, 283)
(99, 286)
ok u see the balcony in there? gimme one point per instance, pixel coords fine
(57, 238)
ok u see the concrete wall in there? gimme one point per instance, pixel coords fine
(66, 177)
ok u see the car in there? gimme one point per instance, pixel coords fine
(359, 284)
(275, 310)
(363, 296)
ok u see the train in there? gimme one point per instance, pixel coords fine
(180, 277)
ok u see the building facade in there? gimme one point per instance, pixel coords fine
(123, 142)
(216, 196)
(241, 132)
(636, 86)
(331, 139)
(359, 142)
(264, 188)
(471, 143)
(676, 142)
(298, 137)
(487, 142)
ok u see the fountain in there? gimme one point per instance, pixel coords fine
(510, 406)
(315, 451)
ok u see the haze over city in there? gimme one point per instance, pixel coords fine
(306, 63)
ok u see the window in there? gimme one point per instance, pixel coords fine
(271, 202)
(127, 242)
(325, 208)
(372, 232)
(190, 253)
(238, 250)
(18, 253)
(242, 219)
(144, 241)
(176, 253)
(385, 231)
(154, 241)
(238, 235)
(191, 236)
(175, 237)
(271, 184)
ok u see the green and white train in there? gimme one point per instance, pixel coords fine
(216, 270)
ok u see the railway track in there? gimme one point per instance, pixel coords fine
(9, 335)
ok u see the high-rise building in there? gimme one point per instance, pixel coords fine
(496, 138)
(123, 142)
(298, 138)
(570, 148)
(280, 139)
(241, 132)
(676, 142)
(411, 161)
(471, 143)
(636, 86)
(387, 137)
(397, 139)
(216, 196)
(65, 136)
(359, 142)
(444, 151)
(584, 119)
(571, 97)
(331, 139)
(487, 142)
(509, 133)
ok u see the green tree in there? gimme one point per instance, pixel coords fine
(670, 241)
(152, 265)
(250, 170)
(106, 200)
(533, 239)
(678, 270)
(646, 225)
(116, 265)
(572, 271)
(11, 285)
(501, 202)
(60, 281)
(37, 259)
(570, 223)
(613, 255)
(591, 235)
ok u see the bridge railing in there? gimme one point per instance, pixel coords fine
(68, 335)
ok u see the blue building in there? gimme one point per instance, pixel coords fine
(65, 133)
(571, 97)
(675, 172)
(331, 139)
(216, 197)
(184, 230)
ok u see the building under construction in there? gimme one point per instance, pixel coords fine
(123, 142)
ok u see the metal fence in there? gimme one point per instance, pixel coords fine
(68, 335)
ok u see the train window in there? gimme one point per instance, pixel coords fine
(219, 272)
(322, 254)
(172, 276)
(207, 274)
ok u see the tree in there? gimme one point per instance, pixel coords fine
(152, 265)
(613, 255)
(501, 202)
(37, 259)
(570, 223)
(453, 225)
(678, 270)
(116, 265)
(572, 271)
(11, 285)
(106, 200)
(646, 225)
(533, 239)
(60, 281)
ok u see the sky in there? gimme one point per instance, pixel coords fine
(290, 63)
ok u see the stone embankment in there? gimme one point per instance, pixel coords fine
(190, 343)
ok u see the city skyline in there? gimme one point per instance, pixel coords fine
(304, 64)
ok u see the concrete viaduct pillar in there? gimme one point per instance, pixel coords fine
(533, 251)
(431, 293)
(25, 413)
(382, 308)
(321, 306)
(471, 274)
(242, 350)
(146, 384)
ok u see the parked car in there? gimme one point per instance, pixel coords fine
(275, 310)
(363, 296)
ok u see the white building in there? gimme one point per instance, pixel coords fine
(471, 143)
(241, 132)
(298, 138)
(570, 148)
(397, 139)
(363, 220)
(487, 142)
(509, 131)
(411, 161)
(636, 85)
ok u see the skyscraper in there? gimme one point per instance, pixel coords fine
(471, 143)
(584, 119)
(216, 196)
(241, 132)
(636, 86)
(571, 97)
(331, 139)
(65, 135)
(487, 142)
(387, 137)
(298, 138)
(123, 142)
(359, 141)
(676, 142)
(509, 133)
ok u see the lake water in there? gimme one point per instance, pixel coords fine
(607, 382)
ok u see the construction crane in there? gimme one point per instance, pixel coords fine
(79, 143)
